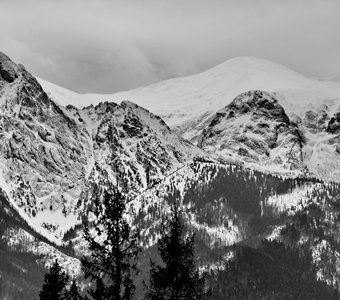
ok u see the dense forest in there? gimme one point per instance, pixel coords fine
(20, 274)
(299, 264)
(273, 270)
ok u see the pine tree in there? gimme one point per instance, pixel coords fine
(178, 278)
(54, 283)
(114, 249)
(73, 292)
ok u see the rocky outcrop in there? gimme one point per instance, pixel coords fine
(316, 121)
(259, 104)
(138, 146)
(254, 128)
(334, 124)
(7, 69)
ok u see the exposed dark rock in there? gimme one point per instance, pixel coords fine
(334, 124)
(7, 69)
(316, 121)
(322, 119)
(295, 119)
(309, 119)
(254, 126)
(337, 149)
(260, 103)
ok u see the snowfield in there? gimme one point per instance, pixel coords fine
(183, 99)
(189, 104)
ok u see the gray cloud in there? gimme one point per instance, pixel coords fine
(108, 46)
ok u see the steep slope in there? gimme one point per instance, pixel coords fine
(189, 105)
(42, 150)
(50, 156)
(254, 128)
(25, 254)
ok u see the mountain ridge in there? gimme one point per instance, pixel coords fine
(50, 155)
(189, 104)
(274, 77)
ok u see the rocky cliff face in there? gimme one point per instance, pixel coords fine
(49, 155)
(316, 121)
(40, 144)
(334, 124)
(254, 128)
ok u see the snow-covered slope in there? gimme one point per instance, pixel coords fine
(189, 105)
(193, 98)
(51, 155)
(254, 128)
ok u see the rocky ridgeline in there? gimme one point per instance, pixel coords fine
(254, 128)
(316, 121)
(334, 124)
(58, 153)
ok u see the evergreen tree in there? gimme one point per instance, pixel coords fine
(178, 278)
(98, 292)
(73, 292)
(54, 283)
(114, 249)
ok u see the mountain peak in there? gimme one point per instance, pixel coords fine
(259, 103)
(249, 67)
(8, 69)
(254, 128)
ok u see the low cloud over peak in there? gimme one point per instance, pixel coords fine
(108, 46)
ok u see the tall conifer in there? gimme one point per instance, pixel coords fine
(114, 248)
(54, 283)
(177, 278)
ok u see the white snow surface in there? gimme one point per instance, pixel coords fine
(182, 99)
(189, 104)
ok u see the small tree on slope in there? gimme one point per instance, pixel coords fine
(179, 278)
(114, 249)
(54, 283)
(73, 292)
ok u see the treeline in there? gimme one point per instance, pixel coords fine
(232, 195)
(11, 217)
(241, 189)
(223, 196)
(20, 274)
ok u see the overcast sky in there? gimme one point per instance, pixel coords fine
(107, 46)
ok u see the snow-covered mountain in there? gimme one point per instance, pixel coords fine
(50, 155)
(254, 128)
(190, 104)
(183, 99)
(247, 110)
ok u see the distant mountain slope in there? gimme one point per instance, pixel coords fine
(189, 105)
(255, 128)
(194, 97)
